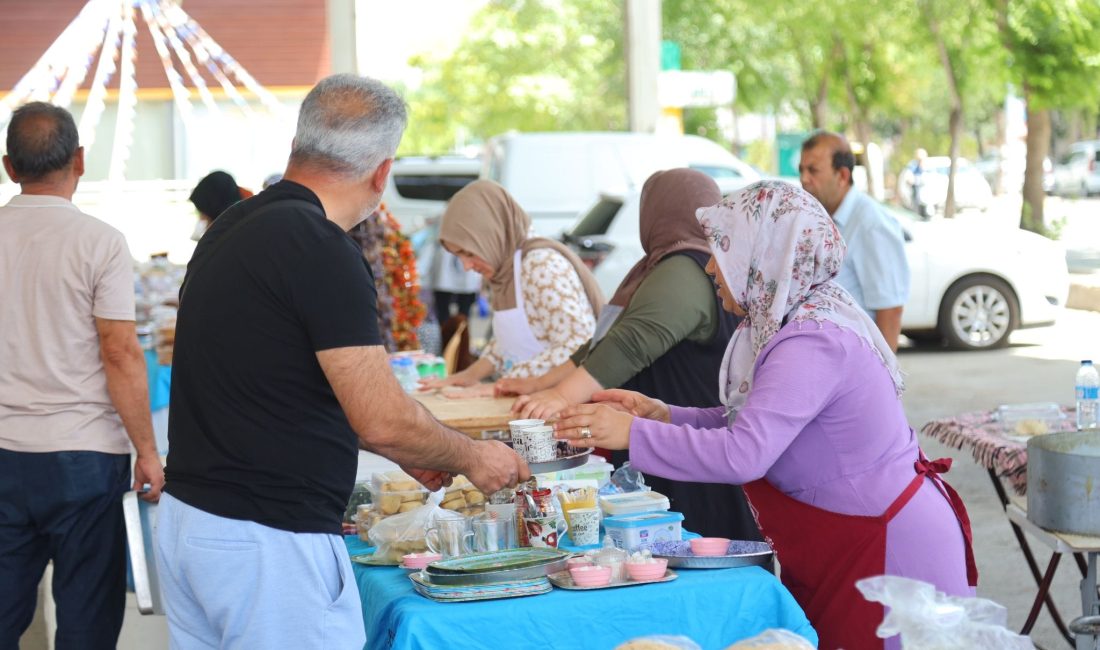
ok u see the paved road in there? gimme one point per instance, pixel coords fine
(1039, 365)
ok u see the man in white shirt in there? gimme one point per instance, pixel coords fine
(875, 269)
(73, 393)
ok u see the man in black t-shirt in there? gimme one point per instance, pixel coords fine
(279, 377)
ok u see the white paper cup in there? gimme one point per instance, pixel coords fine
(584, 526)
(516, 428)
(539, 445)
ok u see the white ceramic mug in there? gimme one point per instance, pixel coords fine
(539, 445)
(544, 531)
(584, 526)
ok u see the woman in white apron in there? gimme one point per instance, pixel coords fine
(544, 298)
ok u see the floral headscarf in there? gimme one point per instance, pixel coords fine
(778, 251)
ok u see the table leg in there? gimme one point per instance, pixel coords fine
(1044, 588)
(1042, 581)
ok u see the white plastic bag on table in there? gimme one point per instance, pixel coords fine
(773, 640)
(928, 619)
(659, 642)
(628, 479)
(404, 533)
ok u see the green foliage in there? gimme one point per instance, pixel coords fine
(536, 65)
(527, 65)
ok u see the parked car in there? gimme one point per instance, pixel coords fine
(555, 176)
(968, 285)
(1077, 172)
(1005, 174)
(971, 188)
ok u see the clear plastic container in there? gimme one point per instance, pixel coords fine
(1030, 419)
(631, 503)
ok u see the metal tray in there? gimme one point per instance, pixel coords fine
(492, 577)
(564, 580)
(578, 458)
(510, 558)
(469, 593)
(741, 553)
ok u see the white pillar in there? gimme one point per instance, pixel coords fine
(642, 20)
(340, 15)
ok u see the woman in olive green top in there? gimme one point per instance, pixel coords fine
(662, 334)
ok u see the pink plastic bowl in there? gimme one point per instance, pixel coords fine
(419, 560)
(591, 575)
(641, 571)
(710, 546)
(577, 561)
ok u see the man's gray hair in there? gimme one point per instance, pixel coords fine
(349, 125)
(42, 139)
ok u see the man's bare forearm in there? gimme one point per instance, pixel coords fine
(127, 385)
(889, 323)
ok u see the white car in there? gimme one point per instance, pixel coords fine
(971, 188)
(972, 285)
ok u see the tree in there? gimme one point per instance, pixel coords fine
(1054, 55)
(964, 37)
(528, 65)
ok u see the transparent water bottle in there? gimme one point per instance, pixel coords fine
(405, 370)
(1088, 396)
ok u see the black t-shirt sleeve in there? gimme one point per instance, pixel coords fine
(333, 291)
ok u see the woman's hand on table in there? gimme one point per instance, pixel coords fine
(635, 403)
(594, 425)
(458, 379)
(516, 386)
(544, 405)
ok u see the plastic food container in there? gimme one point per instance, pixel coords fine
(631, 503)
(633, 532)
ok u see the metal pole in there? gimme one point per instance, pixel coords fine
(340, 15)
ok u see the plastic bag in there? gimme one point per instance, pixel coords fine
(659, 642)
(628, 479)
(773, 640)
(931, 620)
(396, 536)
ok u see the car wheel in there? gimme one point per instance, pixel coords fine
(978, 312)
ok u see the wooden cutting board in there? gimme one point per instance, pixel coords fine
(471, 416)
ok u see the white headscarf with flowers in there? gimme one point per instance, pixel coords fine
(778, 252)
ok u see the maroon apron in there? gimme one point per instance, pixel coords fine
(822, 554)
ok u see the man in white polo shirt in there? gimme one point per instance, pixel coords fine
(73, 393)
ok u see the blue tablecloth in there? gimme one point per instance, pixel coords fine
(715, 608)
(160, 381)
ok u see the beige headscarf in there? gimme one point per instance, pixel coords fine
(667, 222)
(483, 218)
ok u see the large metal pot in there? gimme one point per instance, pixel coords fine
(1063, 481)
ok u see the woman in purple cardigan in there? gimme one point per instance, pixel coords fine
(812, 426)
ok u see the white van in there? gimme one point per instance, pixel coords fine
(419, 187)
(555, 176)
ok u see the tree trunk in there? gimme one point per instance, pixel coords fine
(954, 121)
(1038, 143)
(955, 125)
(862, 128)
(819, 109)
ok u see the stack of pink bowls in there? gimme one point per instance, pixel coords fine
(419, 560)
(710, 546)
(642, 571)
